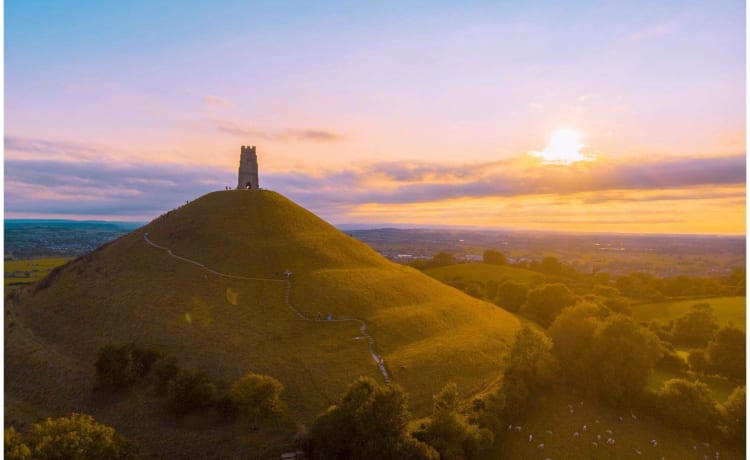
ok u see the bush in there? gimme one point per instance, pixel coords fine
(735, 416)
(698, 361)
(511, 296)
(726, 352)
(696, 327)
(78, 437)
(163, 371)
(689, 404)
(545, 302)
(189, 392)
(257, 397)
(119, 367)
(494, 257)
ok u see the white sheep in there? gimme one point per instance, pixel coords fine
(540, 446)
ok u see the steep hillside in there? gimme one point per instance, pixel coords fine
(130, 290)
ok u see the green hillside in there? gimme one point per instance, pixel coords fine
(128, 290)
(726, 309)
(483, 272)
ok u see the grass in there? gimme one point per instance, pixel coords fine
(484, 272)
(36, 269)
(428, 333)
(551, 412)
(726, 309)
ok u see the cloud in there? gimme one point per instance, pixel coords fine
(45, 148)
(311, 135)
(97, 187)
(217, 101)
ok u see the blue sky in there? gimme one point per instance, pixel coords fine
(332, 90)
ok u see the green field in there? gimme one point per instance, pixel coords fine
(551, 422)
(483, 272)
(726, 309)
(16, 271)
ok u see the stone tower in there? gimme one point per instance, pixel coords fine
(248, 175)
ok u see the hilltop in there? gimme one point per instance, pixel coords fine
(130, 291)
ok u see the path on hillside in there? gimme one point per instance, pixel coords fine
(287, 291)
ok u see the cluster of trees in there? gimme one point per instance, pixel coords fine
(256, 397)
(715, 350)
(78, 437)
(371, 422)
(650, 287)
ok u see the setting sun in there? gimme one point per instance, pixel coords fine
(564, 148)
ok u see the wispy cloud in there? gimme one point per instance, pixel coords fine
(311, 135)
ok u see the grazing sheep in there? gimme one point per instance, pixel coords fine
(519, 427)
(584, 428)
(595, 444)
(638, 452)
(531, 436)
(510, 427)
(540, 446)
(598, 437)
(633, 416)
(653, 443)
(609, 431)
(575, 435)
(548, 431)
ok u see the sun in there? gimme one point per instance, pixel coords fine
(564, 147)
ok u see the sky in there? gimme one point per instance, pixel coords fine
(604, 116)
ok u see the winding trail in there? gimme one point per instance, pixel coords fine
(287, 293)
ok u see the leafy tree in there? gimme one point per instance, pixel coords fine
(606, 291)
(624, 353)
(257, 396)
(698, 361)
(189, 392)
(689, 404)
(163, 371)
(572, 335)
(78, 437)
(511, 295)
(369, 423)
(735, 418)
(551, 266)
(450, 433)
(546, 301)
(118, 367)
(529, 367)
(726, 352)
(494, 257)
(696, 327)
(490, 289)
(15, 446)
(441, 259)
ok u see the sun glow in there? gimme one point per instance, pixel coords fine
(564, 148)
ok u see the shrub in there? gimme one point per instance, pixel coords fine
(734, 415)
(163, 371)
(689, 404)
(189, 392)
(696, 327)
(119, 367)
(545, 302)
(511, 296)
(494, 257)
(257, 397)
(78, 437)
(726, 352)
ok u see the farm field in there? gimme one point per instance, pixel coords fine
(35, 268)
(726, 309)
(483, 272)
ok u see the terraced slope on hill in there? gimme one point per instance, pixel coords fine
(129, 290)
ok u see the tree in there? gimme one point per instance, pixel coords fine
(78, 437)
(189, 392)
(689, 404)
(572, 335)
(511, 295)
(494, 257)
(369, 423)
(546, 301)
(551, 266)
(696, 327)
(697, 361)
(529, 367)
(441, 259)
(735, 417)
(726, 352)
(624, 353)
(257, 397)
(450, 432)
(118, 367)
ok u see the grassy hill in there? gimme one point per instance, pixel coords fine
(483, 272)
(428, 333)
(726, 309)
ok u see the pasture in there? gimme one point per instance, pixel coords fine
(726, 309)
